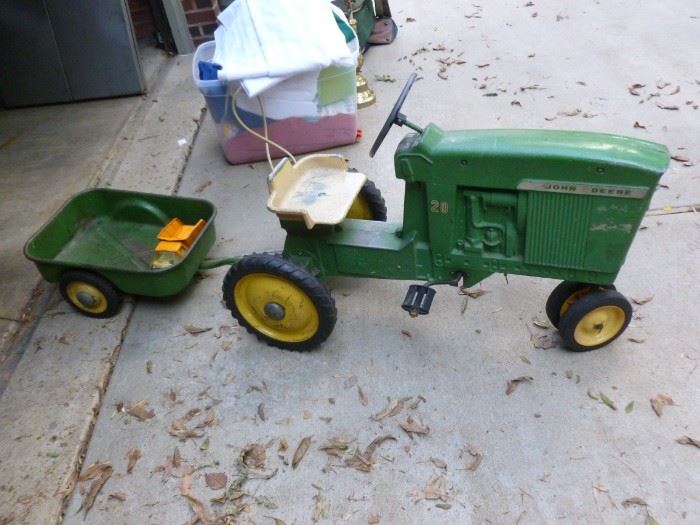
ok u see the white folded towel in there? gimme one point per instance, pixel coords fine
(263, 42)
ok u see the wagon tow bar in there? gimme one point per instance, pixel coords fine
(420, 297)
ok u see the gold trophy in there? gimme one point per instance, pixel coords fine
(365, 95)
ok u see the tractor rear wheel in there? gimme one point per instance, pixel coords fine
(279, 302)
(369, 204)
(564, 295)
(594, 320)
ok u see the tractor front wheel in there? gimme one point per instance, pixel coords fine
(279, 302)
(594, 320)
(564, 295)
(90, 294)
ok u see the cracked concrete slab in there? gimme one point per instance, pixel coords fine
(50, 399)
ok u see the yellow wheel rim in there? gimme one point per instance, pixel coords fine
(276, 307)
(600, 326)
(360, 209)
(572, 299)
(86, 297)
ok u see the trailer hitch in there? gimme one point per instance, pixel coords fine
(419, 297)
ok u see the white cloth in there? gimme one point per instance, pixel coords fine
(263, 42)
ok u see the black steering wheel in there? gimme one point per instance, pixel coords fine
(394, 117)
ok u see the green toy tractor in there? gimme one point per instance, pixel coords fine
(557, 204)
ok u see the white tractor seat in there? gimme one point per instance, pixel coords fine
(318, 189)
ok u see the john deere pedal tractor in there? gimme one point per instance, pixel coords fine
(557, 204)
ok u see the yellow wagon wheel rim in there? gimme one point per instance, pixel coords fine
(86, 297)
(599, 326)
(360, 209)
(276, 307)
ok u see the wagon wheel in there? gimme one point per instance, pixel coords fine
(369, 204)
(279, 302)
(594, 320)
(564, 295)
(90, 294)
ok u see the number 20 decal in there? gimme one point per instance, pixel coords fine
(439, 206)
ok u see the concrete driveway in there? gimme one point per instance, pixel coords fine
(576, 441)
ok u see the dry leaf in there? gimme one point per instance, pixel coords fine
(202, 186)
(543, 341)
(407, 334)
(592, 395)
(513, 383)
(438, 463)
(659, 402)
(302, 448)
(629, 407)
(195, 330)
(569, 113)
(474, 293)
(650, 520)
(133, 456)
(687, 440)
(197, 506)
(363, 461)
(435, 489)
(410, 19)
(101, 472)
(607, 401)
(321, 508)
(393, 408)
(216, 480)
(633, 89)
(542, 323)
(443, 506)
(276, 520)
(336, 446)
(680, 158)
(373, 519)
(140, 411)
(642, 301)
(668, 107)
(478, 457)
(412, 427)
(253, 456)
(7, 519)
(361, 395)
(149, 367)
(634, 501)
(283, 445)
(261, 411)
(120, 496)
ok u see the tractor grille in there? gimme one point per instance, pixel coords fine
(557, 229)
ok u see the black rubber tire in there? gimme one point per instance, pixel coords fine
(374, 200)
(582, 307)
(111, 294)
(561, 293)
(275, 265)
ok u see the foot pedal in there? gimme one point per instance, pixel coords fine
(418, 300)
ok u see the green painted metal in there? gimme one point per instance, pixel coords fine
(113, 233)
(559, 204)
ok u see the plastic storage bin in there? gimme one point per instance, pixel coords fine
(301, 126)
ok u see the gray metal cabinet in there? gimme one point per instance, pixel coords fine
(66, 50)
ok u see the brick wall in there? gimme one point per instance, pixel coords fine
(142, 18)
(201, 19)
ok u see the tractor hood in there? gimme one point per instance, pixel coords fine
(503, 158)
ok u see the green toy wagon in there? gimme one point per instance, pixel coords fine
(102, 243)
(558, 204)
